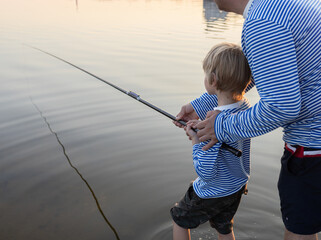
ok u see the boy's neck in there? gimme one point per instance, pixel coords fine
(224, 98)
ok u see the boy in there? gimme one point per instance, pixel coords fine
(222, 177)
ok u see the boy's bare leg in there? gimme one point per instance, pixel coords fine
(229, 236)
(292, 236)
(180, 233)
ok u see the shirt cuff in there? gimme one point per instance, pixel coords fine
(218, 127)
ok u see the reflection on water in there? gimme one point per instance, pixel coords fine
(77, 171)
(212, 13)
(217, 21)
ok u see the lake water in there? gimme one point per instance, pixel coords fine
(80, 160)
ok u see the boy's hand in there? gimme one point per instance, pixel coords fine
(190, 132)
(187, 113)
(206, 129)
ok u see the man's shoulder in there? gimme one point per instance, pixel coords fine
(277, 11)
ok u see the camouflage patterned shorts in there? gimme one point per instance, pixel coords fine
(191, 211)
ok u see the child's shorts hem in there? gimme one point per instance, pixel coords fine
(191, 211)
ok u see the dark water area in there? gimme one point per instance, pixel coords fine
(80, 160)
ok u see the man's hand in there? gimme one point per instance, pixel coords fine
(186, 114)
(206, 130)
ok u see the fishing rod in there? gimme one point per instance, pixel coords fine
(225, 146)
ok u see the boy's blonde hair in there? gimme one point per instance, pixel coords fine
(227, 62)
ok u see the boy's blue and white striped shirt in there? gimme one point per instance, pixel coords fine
(220, 173)
(282, 41)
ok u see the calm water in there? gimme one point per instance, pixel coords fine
(80, 160)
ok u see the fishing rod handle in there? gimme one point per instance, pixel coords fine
(232, 150)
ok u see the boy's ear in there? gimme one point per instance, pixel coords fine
(214, 81)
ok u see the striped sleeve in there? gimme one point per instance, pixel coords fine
(205, 162)
(203, 104)
(271, 54)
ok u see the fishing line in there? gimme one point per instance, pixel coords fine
(77, 171)
(225, 146)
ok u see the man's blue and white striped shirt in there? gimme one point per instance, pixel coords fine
(220, 173)
(282, 41)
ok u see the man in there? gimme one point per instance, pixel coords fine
(281, 40)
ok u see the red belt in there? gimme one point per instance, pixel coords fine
(301, 152)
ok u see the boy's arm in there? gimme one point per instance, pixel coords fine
(204, 104)
(191, 133)
(205, 162)
(197, 109)
(186, 114)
